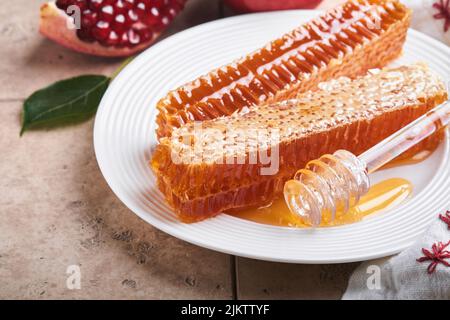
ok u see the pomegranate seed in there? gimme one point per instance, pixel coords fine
(165, 20)
(153, 18)
(113, 39)
(128, 4)
(96, 4)
(141, 6)
(132, 16)
(123, 42)
(148, 3)
(101, 30)
(145, 34)
(159, 3)
(119, 7)
(119, 23)
(107, 13)
(133, 38)
(63, 4)
(172, 12)
(82, 4)
(88, 19)
(85, 35)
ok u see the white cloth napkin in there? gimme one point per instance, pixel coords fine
(423, 20)
(401, 276)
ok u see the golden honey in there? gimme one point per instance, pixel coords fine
(381, 196)
(414, 159)
(419, 152)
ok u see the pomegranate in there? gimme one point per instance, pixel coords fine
(110, 28)
(270, 5)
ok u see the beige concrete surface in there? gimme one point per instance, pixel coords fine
(269, 280)
(56, 209)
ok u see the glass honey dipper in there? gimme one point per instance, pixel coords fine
(332, 184)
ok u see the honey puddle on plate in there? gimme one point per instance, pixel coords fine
(381, 196)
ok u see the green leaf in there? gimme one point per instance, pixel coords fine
(64, 102)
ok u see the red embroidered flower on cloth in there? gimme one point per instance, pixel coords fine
(437, 255)
(443, 6)
(446, 218)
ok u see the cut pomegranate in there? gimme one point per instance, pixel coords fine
(111, 28)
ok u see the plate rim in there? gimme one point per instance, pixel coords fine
(190, 239)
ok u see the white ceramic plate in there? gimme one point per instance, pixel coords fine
(124, 137)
